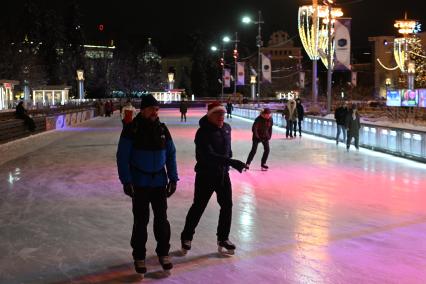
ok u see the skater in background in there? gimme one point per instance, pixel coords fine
(290, 114)
(146, 161)
(128, 113)
(353, 124)
(300, 116)
(262, 132)
(22, 113)
(214, 157)
(183, 108)
(229, 108)
(108, 108)
(340, 116)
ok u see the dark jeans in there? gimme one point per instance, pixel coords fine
(294, 128)
(143, 197)
(299, 122)
(28, 121)
(229, 114)
(254, 149)
(183, 116)
(290, 125)
(356, 138)
(205, 185)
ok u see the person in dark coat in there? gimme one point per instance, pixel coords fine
(340, 115)
(353, 124)
(183, 108)
(21, 113)
(300, 116)
(213, 154)
(146, 161)
(290, 115)
(229, 109)
(262, 133)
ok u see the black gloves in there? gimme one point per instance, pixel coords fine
(170, 188)
(238, 165)
(128, 189)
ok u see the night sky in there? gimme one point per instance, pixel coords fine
(170, 22)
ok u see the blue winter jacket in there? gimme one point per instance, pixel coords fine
(146, 154)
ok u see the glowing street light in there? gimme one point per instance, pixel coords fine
(315, 29)
(213, 48)
(259, 43)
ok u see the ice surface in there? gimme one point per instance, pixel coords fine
(319, 215)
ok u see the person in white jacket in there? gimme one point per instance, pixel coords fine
(128, 113)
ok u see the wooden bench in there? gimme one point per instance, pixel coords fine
(13, 129)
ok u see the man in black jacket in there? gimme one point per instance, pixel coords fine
(340, 116)
(213, 155)
(262, 132)
(300, 116)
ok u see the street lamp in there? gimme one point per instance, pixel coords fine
(332, 15)
(407, 28)
(314, 28)
(171, 79)
(227, 39)
(259, 43)
(222, 63)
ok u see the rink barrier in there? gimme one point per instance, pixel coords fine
(65, 120)
(406, 143)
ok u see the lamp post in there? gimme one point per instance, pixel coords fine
(222, 63)
(80, 80)
(316, 36)
(253, 86)
(171, 79)
(407, 28)
(259, 43)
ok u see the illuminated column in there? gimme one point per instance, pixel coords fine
(253, 87)
(171, 78)
(80, 81)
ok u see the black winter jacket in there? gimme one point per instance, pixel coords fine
(340, 115)
(262, 128)
(212, 148)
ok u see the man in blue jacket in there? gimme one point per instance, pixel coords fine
(146, 160)
(213, 154)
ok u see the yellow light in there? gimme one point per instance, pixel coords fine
(405, 27)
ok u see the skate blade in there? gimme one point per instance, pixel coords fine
(224, 252)
(183, 252)
(167, 272)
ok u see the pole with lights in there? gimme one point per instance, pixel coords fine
(259, 43)
(222, 65)
(402, 51)
(315, 30)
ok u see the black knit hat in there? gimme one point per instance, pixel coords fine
(148, 101)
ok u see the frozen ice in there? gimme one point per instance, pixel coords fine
(319, 215)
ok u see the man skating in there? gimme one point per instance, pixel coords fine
(262, 132)
(213, 155)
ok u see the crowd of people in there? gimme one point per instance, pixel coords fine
(146, 162)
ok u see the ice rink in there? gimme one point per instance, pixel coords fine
(319, 215)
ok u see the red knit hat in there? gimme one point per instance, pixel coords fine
(214, 107)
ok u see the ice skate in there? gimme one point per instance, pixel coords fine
(226, 247)
(140, 267)
(166, 263)
(186, 246)
(264, 167)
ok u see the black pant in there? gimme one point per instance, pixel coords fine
(205, 185)
(290, 125)
(28, 121)
(254, 149)
(294, 126)
(183, 116)
(349, 140)
(229, 114)
(143, 197)
(299, 122)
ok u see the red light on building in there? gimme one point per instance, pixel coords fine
(101, 27)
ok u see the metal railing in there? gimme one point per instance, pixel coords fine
(407, 143)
